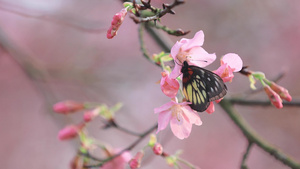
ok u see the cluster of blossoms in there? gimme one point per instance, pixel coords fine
(172, 160)
(117, 21)
(179, 114)
(274, 91)
(91, 111)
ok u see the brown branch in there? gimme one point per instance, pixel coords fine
(254, 138)
(131, 146)
(260, 102)
(166, 9)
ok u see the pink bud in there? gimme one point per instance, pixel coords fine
(211, 108)
(157, 149)
(283, 92)
(225, 72)
(69, 132)
(135, 162)
(66, 107)
(168, 85)
(116, 23)
(274, 97)
(90, 115)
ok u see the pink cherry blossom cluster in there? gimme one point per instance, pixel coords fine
(90, 113)
(75, 130)
(276, 93)
(117, 21)
(179, 114)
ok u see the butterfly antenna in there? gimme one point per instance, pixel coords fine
(201, 60)
(177, 63)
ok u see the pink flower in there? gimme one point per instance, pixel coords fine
(118, 162)
(283, 92)
(67, 107)
(180, 116)
(116, 23)
(135, 162)
(157, 149)
(230, 63)
(274, 97)
(169, 86)
(69, 132)
(211, 108)
(90, 115)
(190, 50)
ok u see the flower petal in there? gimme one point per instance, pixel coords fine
(163, 120)
(200, 57)
(175, 49)
(233, 60)
(180, 127)
(176, 71)
(197, 40)
(164, 107)
(192, 115)
(169, 86)
(211, 108)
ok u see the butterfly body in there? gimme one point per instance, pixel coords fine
(201, 86)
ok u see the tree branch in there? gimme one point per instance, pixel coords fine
(131, 146)
(252, 136)
(260, 102)
(243, 164)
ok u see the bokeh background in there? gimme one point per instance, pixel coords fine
(56, 50)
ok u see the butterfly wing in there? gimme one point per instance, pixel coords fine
(201, 86)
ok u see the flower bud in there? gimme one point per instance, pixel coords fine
(90, 115)
(283, 92)
(274, 97)
(116, 23)
(69, 132)
(211, 108)
(135, 162)
(66, 107)
(157, 149)
(168, 85)
(152, 140)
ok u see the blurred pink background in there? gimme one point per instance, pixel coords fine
(62, 53)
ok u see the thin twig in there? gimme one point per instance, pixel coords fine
(259, 89)
(131, 146)
(114, 124)
(252, 136)
(166, 9)
(243, 164)
(177, 32)
(245, 102)
(142, 43)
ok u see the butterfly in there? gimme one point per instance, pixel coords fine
(201, 86)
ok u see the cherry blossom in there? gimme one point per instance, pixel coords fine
(230, 63)
(90, 115)
(274, 97)
(67, 107)
(119, 162)
(281, 91)
(70, 132)
(190, 50)
(116, 23)
(180, 116)
(169, 86)
(135, 162)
